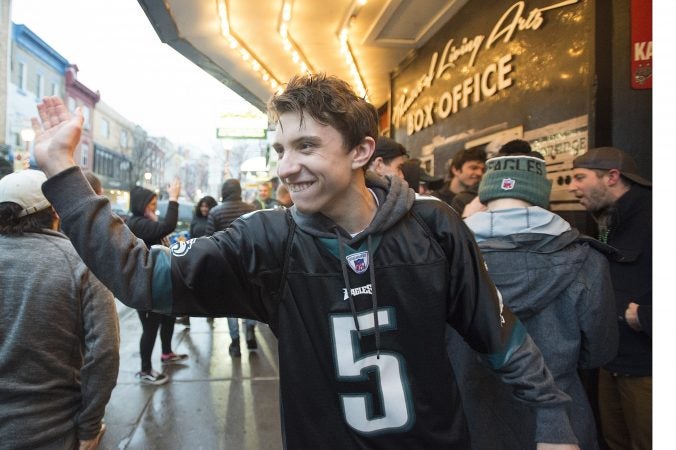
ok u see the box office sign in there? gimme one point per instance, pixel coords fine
(416, 111)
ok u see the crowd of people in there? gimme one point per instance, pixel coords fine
(411, 311)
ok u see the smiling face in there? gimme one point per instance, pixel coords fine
(263, 191)
(316, 167)
(470, 173)
(204, 209)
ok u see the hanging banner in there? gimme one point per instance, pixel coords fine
(641, 44)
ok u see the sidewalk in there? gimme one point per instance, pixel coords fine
(211, 402)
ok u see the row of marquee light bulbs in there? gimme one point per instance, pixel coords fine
(291, 47)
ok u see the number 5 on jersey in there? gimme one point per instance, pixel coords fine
(389, 369)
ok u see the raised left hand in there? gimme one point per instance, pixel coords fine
(57, 135)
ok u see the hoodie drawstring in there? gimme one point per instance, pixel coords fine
(346, 280)
(374, 299)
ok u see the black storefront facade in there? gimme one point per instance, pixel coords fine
(564, 75)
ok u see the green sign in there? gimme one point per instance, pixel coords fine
(241, 133)
(243, 126)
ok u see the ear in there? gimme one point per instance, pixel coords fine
(613, 177)
(455, 171)
(363, 152)
(56, 220)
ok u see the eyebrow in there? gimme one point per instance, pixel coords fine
(316, 140)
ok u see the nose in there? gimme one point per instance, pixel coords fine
(572, 187)
(287, 166)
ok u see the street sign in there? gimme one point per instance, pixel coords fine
(249, 125)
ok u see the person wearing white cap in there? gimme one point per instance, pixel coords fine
(59, 332)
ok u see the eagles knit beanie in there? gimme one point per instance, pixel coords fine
(522, 177)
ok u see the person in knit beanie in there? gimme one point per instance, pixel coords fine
(555, 281)
(517, 177)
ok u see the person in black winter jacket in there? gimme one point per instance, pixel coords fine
(145, 225)
(607, 184)
(231, 207)
(220, 218)
(198, 226)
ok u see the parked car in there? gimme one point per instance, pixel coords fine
(185, 212)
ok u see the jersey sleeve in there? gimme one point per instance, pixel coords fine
(222, 275)
(233, 272)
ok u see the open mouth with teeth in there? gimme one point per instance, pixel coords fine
(298, 187)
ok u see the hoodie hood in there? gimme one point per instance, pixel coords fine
(395, 199)
(504, 222)
(531, 255)
(139, 198)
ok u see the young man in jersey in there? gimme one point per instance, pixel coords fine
(357, 280)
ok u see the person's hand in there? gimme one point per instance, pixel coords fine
(175, 190)
(545, 446)
(472, 207)
(93, 444)
(631, 316)
(57, 135)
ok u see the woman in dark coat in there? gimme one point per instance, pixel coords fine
(145, 224)
(199, 220)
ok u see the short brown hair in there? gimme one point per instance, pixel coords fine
(329, 101)
(468, 154)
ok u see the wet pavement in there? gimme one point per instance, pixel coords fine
(212, 401)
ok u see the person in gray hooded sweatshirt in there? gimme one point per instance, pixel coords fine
(59, 333)
(552, 278)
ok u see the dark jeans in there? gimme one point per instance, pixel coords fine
(151, 323)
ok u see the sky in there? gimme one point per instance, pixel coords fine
(119, 54)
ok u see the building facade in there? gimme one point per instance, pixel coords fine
(113, 136)
(36, 70)
(79, 95)
(5, 27)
